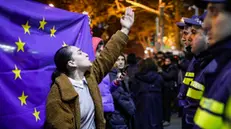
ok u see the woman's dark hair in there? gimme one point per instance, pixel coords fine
(131, 59)
(123, 57)
(147, 65)
(62, 56)
(101, 43)
(169, 55)
(160, 52)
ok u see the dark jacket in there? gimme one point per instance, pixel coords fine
(170, 76)
(185, 81)
(63, 108)
(146, 90)
(193, 86)
(186, 61)
(124, 112)
(217, 84)
(132, 70)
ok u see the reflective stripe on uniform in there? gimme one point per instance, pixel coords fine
(212, 105)
(197, 85)
(195, 94)
(187, 81)
(189, 74)
(228, 109)
(227, 122)
(226, 126)
(206, 120)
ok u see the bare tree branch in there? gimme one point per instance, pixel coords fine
(146, 8)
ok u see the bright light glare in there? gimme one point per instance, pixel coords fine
(7, 48)
(51, 5)
(173, 47)
(146, 52)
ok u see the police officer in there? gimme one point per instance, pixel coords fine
(188, 56)
(185, 64)
(182, 65)
(217, 80)
(193, 93)
(186, 31)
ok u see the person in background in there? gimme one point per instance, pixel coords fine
(138, 59)
(146, 89)
(74, 101)
(122, 117)
(105, 86)
(132, 64)
(98, 45)
(160, 59)
(168, 73)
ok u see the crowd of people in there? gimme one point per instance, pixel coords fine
(119, 92)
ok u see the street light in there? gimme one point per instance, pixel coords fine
(51, 5)
(173, 47)
(146, 51)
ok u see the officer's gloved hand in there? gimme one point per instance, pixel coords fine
(180, 96)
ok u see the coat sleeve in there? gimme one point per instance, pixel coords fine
(58, 116)
(105, 61)
(124, 99)
(160, 81)
(105, 83)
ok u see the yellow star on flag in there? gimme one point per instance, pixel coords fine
(36, 114)
(17, 72)
(42, 24)
(53, 31)
(23, 99)
(20, 45)
(26, 28)
(64, 44)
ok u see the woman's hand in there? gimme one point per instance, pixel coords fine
(127, 20)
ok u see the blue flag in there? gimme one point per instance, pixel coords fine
(30, 34)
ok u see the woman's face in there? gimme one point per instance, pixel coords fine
(167, 61)
(79, 60)
(120, 63)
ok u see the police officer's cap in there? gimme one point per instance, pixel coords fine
(180, 25)
(202, 17)
(194, 20)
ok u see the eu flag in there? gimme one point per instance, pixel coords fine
(30, 34)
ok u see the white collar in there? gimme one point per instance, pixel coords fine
(78, 83)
